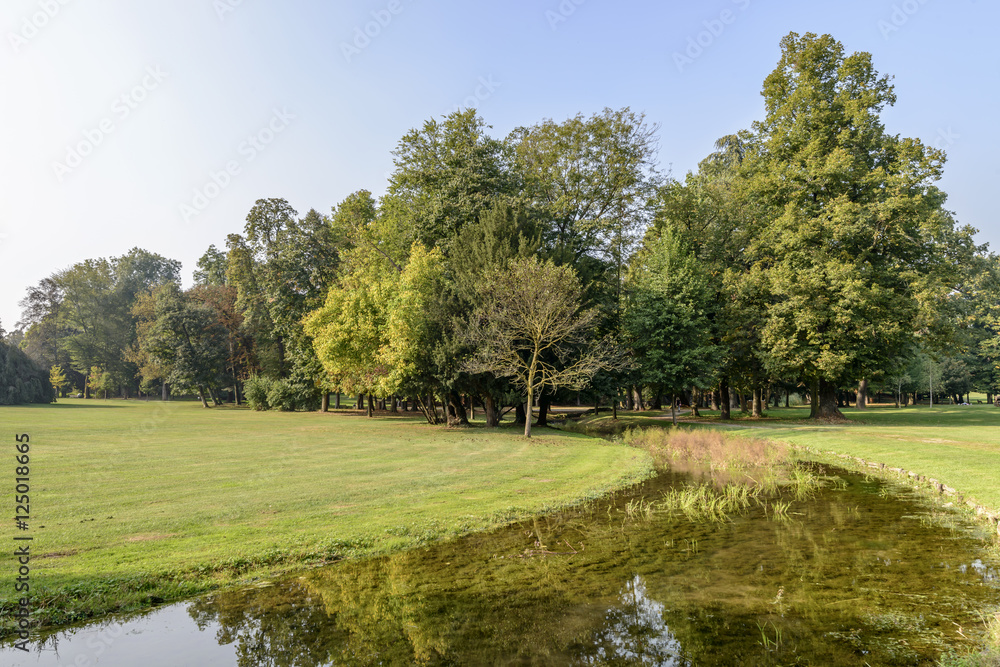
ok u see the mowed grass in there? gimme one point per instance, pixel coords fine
(134, 502)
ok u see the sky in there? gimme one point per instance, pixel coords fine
(158, 124)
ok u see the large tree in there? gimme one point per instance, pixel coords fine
(851, 225)
(183, 340)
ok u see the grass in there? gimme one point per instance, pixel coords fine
(133, 503)
(986, 652)
(959, 446)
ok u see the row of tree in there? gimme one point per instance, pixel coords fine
(810, 253)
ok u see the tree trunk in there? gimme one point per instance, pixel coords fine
(742, 404)
(758, 407)
(724, 401)
(360, 403)
(393, 408)
(527, 412)
(862, 403)
(715, 401)
(325, 406)
(461, 418)
(597, 406)
(519, 414)
(201, 395)
(336, 405)
(492, 412)
(371, 406)
(825, 401)
(637, 393)
(788, 395)
(696, 395)
(164, 392)
(544, 403)
(673, 408)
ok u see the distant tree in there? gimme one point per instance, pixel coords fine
(211, 268)
(184, 339)
(22, 380)
(58, 381)
(668, 315)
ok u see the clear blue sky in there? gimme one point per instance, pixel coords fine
(162, 94)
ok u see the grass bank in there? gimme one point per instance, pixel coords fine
(135, 503)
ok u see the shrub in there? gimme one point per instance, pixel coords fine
(257, 390)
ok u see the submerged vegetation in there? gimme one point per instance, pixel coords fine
(730, 475)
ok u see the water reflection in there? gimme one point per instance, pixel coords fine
(635, 632)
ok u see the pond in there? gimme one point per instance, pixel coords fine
(858, 573)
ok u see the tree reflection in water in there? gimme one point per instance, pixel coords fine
(635, 633)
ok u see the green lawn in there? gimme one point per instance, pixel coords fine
(132, 502)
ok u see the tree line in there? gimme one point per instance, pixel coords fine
(811, 253)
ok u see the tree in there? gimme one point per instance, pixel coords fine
(590, 179)
(22, 380)
(448, 174)
(850, 223)
(211, 268)
(58, 381)
(413, 330)
(668, 317)
(531, 313)
(184, 338)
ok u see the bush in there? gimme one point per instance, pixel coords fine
(256, 390)
(264, 393)
(282, 396)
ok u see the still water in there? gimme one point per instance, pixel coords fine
(859, 573)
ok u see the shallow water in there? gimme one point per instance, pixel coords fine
(853, 575)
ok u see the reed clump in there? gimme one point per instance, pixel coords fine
(712, 449)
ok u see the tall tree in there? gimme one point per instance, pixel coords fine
(851, 218)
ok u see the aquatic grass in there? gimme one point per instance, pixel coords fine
(985, 654)
(714, 449)
(803, 482)
(766, 641)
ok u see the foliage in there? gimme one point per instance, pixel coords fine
(668, 316)
(257, 388)
(21, 379)
(184, 339)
